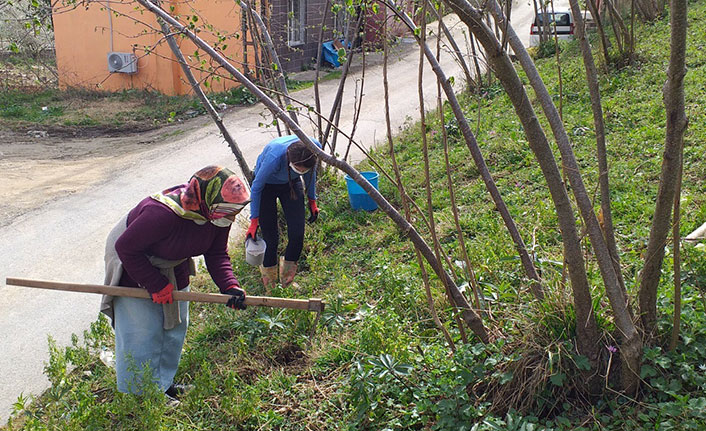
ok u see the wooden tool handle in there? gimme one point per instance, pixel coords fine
(312, 304)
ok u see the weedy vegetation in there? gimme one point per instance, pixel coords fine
(84, 110)
(376, 359)
(29, 103)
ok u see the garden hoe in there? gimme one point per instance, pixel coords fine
(311, 304)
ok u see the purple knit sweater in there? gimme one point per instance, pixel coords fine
(155, 230)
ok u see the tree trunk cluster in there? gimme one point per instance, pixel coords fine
(488, 27)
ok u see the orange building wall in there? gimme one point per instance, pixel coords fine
(83, 40)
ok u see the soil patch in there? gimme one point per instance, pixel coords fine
(42, 165)
(290, 355)
(55, 143)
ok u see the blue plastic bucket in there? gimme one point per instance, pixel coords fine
(359, 198)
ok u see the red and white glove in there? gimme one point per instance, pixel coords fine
(314, 210)
(164, 296)
(252, 230)
(237, 299)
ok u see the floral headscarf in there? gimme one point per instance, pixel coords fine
(212, 193)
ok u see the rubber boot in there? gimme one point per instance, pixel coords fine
(287, 271)
(269, 277)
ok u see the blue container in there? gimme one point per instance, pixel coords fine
(359, 198)
(330, 54)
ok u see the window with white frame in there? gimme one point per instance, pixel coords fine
(296, 21)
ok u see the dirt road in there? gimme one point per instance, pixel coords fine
(63, 196)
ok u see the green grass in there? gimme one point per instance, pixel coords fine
(86, 109)
(377, 360)
(127, 110)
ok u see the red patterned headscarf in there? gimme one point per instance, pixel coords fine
(212, 193)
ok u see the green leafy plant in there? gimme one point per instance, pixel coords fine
(336, 313)
(381, 363)
(272, 321)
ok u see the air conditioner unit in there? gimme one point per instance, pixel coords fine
(122, 62)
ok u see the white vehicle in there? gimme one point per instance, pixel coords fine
(588, 20)
(561, 22)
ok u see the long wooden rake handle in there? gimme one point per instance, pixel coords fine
(312, 304)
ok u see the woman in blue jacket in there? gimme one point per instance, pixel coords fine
(279, 171)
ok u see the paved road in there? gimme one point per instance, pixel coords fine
(64, 239)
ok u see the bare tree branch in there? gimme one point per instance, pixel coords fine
(279, 72)
(671, 160)
(478, 158)
(247, 172)
(469, 316)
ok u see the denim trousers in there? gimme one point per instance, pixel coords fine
(143, 348)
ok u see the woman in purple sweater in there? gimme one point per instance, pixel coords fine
(154, 245)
